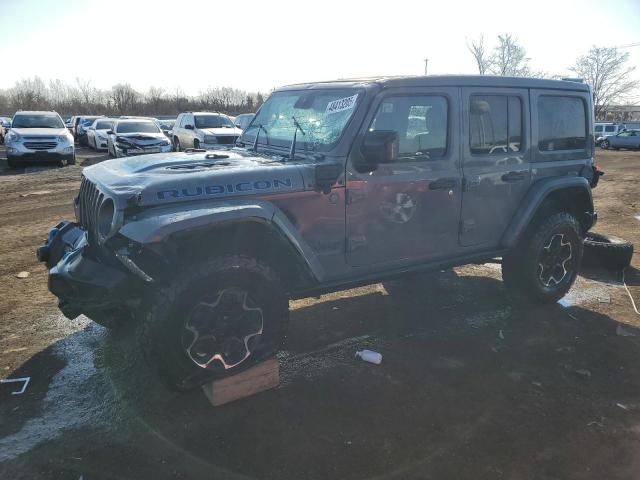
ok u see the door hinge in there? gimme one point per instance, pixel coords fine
(357, 242)
(354, 196)
(468, 225)
(470, 184)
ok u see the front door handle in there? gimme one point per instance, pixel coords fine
(443, 184)
(513, 177)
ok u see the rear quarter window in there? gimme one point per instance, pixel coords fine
(562, 123)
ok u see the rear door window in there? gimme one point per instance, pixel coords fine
(495, 124)
(562, 123)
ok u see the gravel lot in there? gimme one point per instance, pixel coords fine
(470, 387)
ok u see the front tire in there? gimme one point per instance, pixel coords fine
(604, 144)
(176, 144)
(215, 320)
(545, 263)
(72, 160)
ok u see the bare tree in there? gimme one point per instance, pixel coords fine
(509, 58)
(29, 94)
(606, 70)
(87, 90)
(82, 97)
(155, 99)
(124, 98)
(480, 55)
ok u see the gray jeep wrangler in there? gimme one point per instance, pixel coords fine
(332, 185)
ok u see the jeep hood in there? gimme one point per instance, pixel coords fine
(164, 178)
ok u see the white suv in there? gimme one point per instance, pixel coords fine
(39, 136)
(204, 130)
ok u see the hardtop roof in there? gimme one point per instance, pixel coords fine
(445, 80)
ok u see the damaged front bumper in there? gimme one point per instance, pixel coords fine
(83, 282)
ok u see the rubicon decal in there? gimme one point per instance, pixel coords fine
(240, 187)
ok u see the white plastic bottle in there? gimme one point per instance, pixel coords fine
(370, 356)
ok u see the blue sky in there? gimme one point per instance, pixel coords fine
(261, 45)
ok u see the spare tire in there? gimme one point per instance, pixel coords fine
(607, 251)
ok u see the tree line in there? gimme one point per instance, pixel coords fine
(82, 97)
(606, 69)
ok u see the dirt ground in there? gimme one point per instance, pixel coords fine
(471, 387)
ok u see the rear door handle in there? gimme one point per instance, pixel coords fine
(513, 177)
(443, 184)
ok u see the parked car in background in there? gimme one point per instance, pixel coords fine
(166, 125)
(97, 133)
(136, 137)
(5, 125)
(69, 124)
(36, 135)
(81, 131)
(204, 130)
(603, 129)
(627, 139)
(243, 120)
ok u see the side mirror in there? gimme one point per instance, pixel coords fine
(379, 146)
(189, 127)
(109, 132)
(238, 126)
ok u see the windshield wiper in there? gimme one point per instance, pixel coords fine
(292, 151)
(255, 142)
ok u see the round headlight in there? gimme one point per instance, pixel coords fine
(106, 218)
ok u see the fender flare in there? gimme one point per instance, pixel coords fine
(156, 224)
(536, 195)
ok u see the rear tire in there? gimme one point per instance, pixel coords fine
(215, 320)
(545, 263)
(604, 144)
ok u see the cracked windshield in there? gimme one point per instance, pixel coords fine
(321, 115)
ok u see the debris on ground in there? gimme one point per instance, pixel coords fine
(501, 334)
(584, 373)
(37, 192)
(606, 299)
(26, 381)
(370, 356)
(622, 406)
(623, 332)
(595, 423)
(22, 274)
(567, 349)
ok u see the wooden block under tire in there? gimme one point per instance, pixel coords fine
(263, 376)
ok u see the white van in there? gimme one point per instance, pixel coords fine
(604, 129)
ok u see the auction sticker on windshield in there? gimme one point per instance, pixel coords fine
(341, 105)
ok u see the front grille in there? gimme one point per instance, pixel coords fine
(40, 145)
(226, 140)
(40, 138)
(89, 200)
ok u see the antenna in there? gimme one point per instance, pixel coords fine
(426, 63)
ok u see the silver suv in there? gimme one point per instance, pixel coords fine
(39, 136)
(204, 130)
